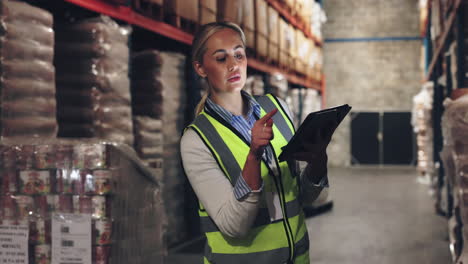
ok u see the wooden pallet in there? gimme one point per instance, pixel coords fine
(149, 9)
(182, 23)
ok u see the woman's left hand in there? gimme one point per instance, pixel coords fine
(315, 151)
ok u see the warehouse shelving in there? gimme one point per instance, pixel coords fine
(293, 20)
(128, 15)
(443, 38)
(445, 50)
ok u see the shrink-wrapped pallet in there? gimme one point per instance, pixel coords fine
(158, 95)
(80, 202)
(302, 102)
(421, 120)
(254, 85)
(27, 78)
(93, 92)
(454, 156)
(278, 85)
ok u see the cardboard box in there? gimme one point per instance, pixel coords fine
(261, 17)
(230, 10)
(292, 46)
(302, 51)
(187, 9)
(208, 9)
(242, 13)
(273, 25)
(248, 22)
(273, 33)
(273, 51)
(283, 35)
(261, 26)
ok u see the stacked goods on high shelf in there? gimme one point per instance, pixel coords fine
(147, 97)
(78, 201)
(261, 28)
(286, 38)
(159, 95)
(273, 34)
(317, 21)
(27, 83)
(242, 13)
(93, 88)
(208, 11)
(421, 120)
(455, 159)
(303, 46)
(302, 102)
(182, 13)
(315, 62)
(254, 85)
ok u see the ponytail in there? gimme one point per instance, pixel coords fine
(201, 104)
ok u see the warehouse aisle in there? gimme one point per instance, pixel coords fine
(379, 216)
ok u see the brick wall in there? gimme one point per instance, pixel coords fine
(370, 75)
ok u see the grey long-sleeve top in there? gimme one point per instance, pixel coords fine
(233, 217)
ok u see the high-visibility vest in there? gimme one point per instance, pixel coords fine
(267, 242)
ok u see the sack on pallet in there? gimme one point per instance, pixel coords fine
(101, 29)
(27, 85)
(36, 70)
(29, 126)
(81, 52)
(17, 88)
(19, 49)
(20, 11)
(147, 123)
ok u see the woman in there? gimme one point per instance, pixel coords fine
(249, 200)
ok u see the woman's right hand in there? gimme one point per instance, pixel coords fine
(262, 134)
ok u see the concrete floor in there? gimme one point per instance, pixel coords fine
(380, 216)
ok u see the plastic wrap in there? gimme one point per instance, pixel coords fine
(54, 185)
(302, 102)
(27, 81)
(159, 105)
(254, 85)
(421, 120)
(278, 85)
(93, 92)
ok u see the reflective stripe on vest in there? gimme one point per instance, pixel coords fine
(268, 240)
(270, 256)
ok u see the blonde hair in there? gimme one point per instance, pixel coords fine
(199, 47)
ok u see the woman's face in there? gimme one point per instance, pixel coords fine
(224, 62)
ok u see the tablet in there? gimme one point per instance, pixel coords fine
(325, 121)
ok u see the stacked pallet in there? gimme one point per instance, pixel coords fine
(254, 85)
(302, 102)
(158, 98)
(100, 194)
(455, 159)
(27, 83)
(422, 126)
(93, 88)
